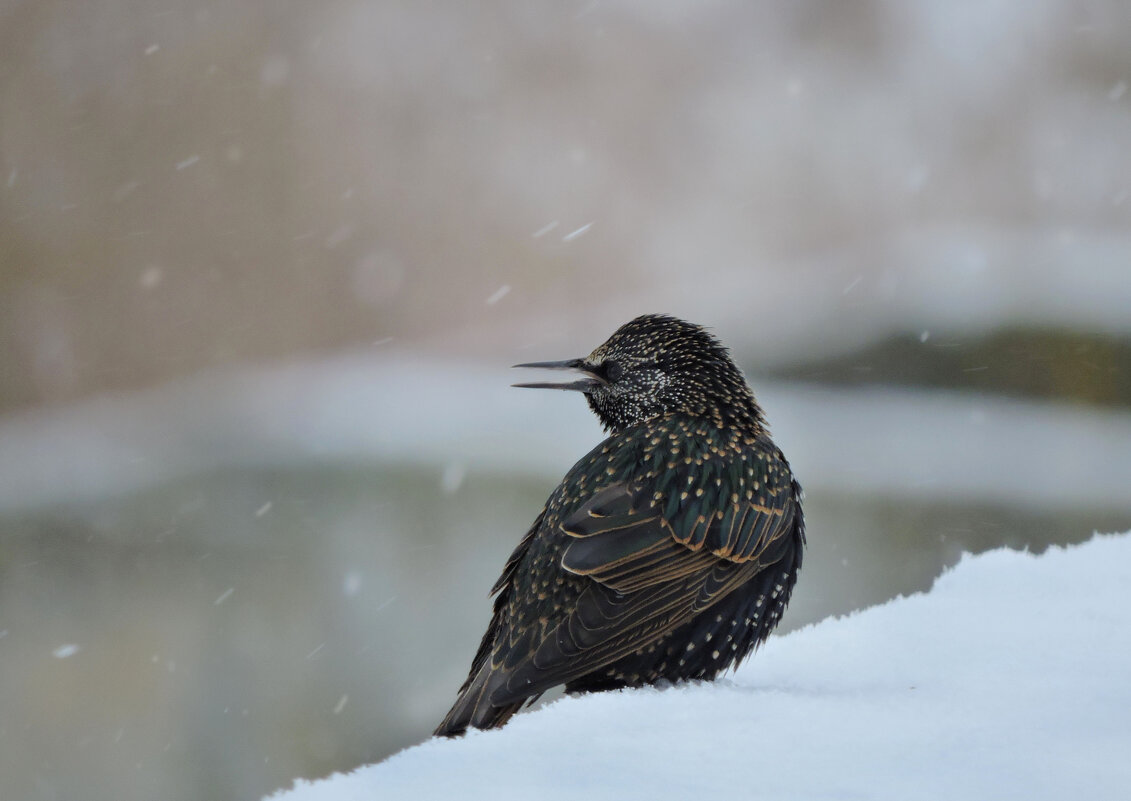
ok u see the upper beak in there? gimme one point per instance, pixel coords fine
(582, 385)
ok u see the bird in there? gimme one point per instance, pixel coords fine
(667, 553)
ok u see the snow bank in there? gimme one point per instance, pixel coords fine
(399, 408)
(1007, 680)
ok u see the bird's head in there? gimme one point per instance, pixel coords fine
(654, 365)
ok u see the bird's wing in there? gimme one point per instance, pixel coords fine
(654, 564)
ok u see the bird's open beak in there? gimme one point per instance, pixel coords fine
(582, 385)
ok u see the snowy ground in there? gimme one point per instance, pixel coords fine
(1007, 680)
(405, 409)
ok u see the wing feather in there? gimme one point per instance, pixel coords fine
(656, 558)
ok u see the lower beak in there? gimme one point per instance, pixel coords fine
(581, 385)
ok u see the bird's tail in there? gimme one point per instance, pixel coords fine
(474, 709)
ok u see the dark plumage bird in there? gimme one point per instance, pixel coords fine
(668, 552)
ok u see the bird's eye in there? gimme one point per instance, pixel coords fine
(612, 370)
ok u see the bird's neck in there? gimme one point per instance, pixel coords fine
(746, 418)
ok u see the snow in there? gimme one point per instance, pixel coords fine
(572, 235)
(942, 276)
(351, 584)
(452, 478)
(498, 294)
(1007, 680)
(389, 406)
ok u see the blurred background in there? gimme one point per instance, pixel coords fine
(263, 267)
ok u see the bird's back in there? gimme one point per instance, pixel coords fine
(666, 553)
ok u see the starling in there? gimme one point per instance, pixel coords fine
(667, 553)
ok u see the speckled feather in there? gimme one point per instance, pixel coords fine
(667, 553)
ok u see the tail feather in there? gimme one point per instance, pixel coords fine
(473, 708)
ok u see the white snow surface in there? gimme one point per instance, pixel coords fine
(397, 407)
(1007, 680)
